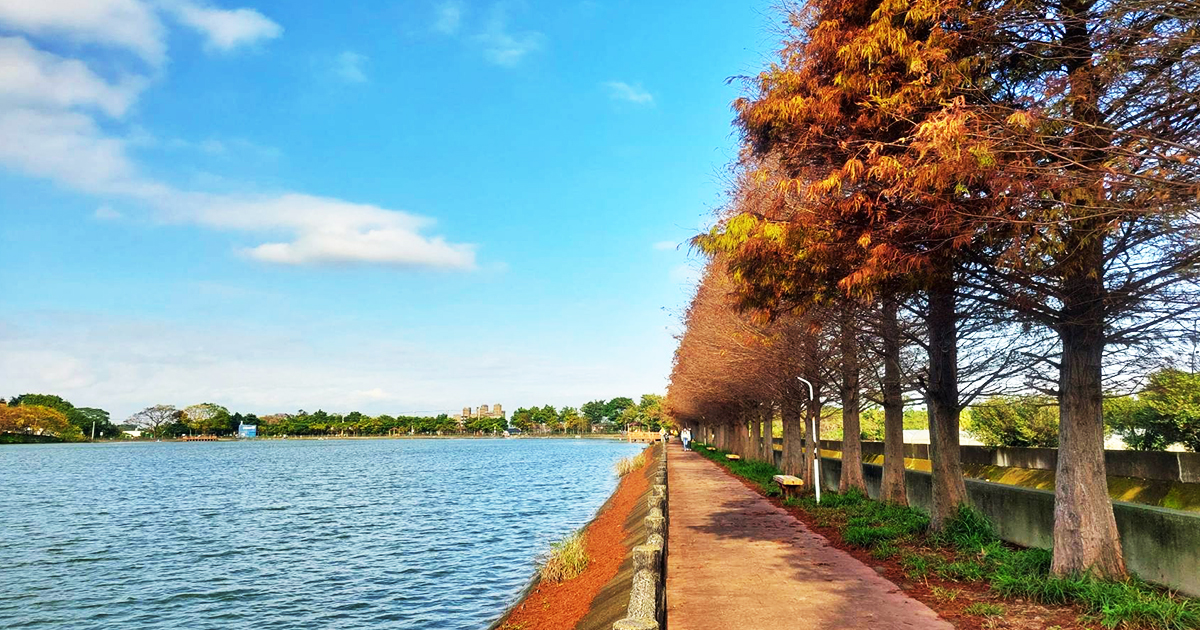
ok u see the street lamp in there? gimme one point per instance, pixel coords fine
(816, 445)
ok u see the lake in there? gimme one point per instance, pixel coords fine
(432, 533)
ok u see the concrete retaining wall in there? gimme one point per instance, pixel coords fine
(648, 597)
(1161, 545)
(1166, 466)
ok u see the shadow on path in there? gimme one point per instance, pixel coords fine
(737, 561)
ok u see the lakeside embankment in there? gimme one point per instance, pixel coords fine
(599, 596)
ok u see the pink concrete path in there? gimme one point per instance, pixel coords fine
(735, 561)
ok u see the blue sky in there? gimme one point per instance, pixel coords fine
(383, 206)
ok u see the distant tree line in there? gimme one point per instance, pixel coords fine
(598, 415)
(1166, 412)
(50, 417)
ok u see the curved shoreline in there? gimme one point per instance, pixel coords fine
(597, 597)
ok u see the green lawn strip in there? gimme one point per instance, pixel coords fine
(968, 550)
(760, 473)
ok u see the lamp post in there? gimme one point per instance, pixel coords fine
(816, 444)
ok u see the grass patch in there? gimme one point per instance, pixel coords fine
(760, 473)
(985, 609)
(969, 550)
(945, 594)
(884, 550)
(567, 559)
(630, 464)
(968, 530)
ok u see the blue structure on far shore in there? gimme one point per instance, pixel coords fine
(247, 430)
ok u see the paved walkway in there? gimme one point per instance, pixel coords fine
(735, 561)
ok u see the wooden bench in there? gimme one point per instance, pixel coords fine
(789, 484)
(732, 456)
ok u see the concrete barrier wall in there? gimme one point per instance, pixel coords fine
(648, 594)
(1167, 466)
(1161, 545)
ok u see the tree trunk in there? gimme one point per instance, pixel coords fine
(949, 490)
(852, 464)
(739, 434)
(754, 449)
(1085, 531)
(892, 489)
(792, 411)
(768, 433)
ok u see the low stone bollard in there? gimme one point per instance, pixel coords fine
(647, 599)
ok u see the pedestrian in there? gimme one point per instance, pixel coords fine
(662, 434)
(686, 438)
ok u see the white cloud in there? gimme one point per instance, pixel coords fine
(48, 133)
(448, 17)
(30, 77)
(106, 213)
(621, 91)
(350, 67)
(127, 24)
(135, 25)
(328, 231)
(124, 365)
(666, 245)
(372, 394)
(226, 29)
(68, 147)
(503, 47)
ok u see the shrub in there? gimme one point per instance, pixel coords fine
(1166, 412)
(1016, 421)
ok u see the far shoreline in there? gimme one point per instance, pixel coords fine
(319, 438)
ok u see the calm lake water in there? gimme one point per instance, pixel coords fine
(286, 534)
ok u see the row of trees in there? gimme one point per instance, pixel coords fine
(50, 415)
(1164, 413)
(212, 419)
(961, 198)
(597, 415)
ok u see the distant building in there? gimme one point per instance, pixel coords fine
(496, 411)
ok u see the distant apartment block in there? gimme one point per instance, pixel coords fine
(482, 412)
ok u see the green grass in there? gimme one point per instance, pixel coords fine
(968, 549)
(567, 559)
(760, 473)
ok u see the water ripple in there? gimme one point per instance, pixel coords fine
(385, 534)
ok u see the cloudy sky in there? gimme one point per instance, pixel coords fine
(392, 206)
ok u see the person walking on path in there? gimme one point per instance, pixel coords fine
(686, 437)
(735, 560)
(662, 434)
